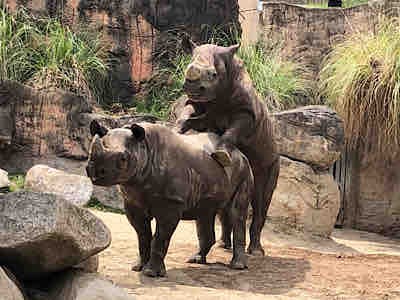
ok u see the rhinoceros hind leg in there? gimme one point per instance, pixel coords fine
(265, 179)
(206, 236)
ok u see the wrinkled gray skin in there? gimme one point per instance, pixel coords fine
(222, 100)
(169, 177)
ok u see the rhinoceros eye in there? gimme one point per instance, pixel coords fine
(123, 160)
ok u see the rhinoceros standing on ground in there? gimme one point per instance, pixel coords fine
(169, 177)
(222, 99)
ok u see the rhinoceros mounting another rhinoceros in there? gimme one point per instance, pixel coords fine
(169, 177)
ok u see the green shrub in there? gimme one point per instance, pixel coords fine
(17, 182)
(164, 88)
(43, 53)
(16, 53)
(277, 80)
(361, 80)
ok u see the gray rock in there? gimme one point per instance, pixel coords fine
(4, 182)
(43, 233)
(311, 134)
(8, 289)
(82, 286)
(304, 199)
(73, 188)
(90, 265)
(109, 196)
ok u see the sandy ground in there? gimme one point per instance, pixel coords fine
(351, 265)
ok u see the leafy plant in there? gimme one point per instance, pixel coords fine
(164, 88)
(96, 204)
(43, 53)
(17, 182)
(361, 80)
(277, 80)
(16, 53)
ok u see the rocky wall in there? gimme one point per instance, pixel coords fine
(308, 34)
(131, 28)
(378, 205)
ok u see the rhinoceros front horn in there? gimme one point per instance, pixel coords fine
(97, 146)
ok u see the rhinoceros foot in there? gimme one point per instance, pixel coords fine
(154, 270)
(222, 157)
(256, 250)
(197, 259)
(239, 262)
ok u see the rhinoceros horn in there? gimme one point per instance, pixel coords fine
(97, 145)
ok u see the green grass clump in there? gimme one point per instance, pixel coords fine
(96, 204)
(361, 80)
(277, 80)
(43, 53)
(17, 182)
(164, 88)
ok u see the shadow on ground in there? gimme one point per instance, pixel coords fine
(267, 275)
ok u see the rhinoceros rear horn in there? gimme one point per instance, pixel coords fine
(96, 128)
(138, 132)
(187, 44)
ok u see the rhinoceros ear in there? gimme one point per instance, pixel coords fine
(138, 132)
(187, 44)
(96, 128)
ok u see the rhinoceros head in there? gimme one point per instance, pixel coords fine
(115, 155)
(208, 75)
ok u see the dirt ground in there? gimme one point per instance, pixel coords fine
(351, 265)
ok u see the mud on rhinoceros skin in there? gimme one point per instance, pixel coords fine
(222, 100)
(169, 177)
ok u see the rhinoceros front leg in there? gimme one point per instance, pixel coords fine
(165, 227)
(206, 236)
(142, 226)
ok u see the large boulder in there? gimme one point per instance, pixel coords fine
(43, 233)
(305, 199)
(75, 285)
(8, 288)
(311, 134)
(90, 265)
(73, 188)
(4, 182)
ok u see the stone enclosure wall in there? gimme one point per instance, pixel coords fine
(308, 34)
